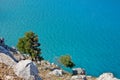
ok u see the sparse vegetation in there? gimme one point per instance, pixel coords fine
(66, 61)
(29, 45)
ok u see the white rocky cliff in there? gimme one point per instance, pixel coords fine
(107, 76)
(24, 69)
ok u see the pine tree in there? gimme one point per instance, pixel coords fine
(29, 45)
(66, 61)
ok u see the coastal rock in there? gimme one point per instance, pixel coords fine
(19, 56)
(107, 76)
(7, 60)
(7, 52)
(90, 77)
(57, 72)
(43, 62)
(78, 77)
(45, 65)
(27, 70)
(78, 71)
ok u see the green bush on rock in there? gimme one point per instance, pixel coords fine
(29, 45)
(66, 61)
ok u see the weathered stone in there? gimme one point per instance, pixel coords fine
(6, 52)
(79, 71)
(43, 62)
(7, 60)
(18, 56)
(107, 76)
(57, 72)
(27, 70)
(78, 77)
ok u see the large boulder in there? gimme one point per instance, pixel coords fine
(7, 52)
(107, 76)
(7, 60)
(27, 70)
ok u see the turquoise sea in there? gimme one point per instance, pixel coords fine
(88, 30)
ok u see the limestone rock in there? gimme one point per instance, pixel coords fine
(27, 70)
(90, 77)
(43, 62)
(57, 72)
(78, 71)
(107, 76)
(78, 77)
(7, 60)
(18, 56)
(7, 52)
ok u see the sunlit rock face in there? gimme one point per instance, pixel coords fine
(26, 69)
(107, 76)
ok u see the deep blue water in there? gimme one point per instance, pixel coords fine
(88, 30)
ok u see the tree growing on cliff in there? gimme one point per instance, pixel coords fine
(29, 45)
(66, 61)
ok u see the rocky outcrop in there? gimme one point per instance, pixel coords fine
(26, 69)
(11, 69)
(18, 56)
(107, 76)
(56, 72)
(7, 73)
(6, 57)
(78, 74)
(78, 77)
(78, 71)
(7, 60)
(7, 53)
(45, 65)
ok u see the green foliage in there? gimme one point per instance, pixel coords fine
(66, 61)
(29, 45)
